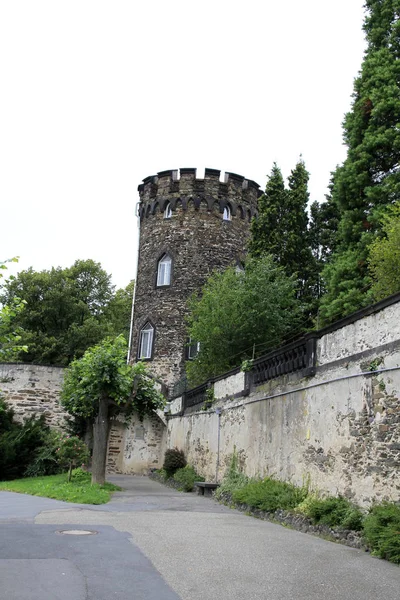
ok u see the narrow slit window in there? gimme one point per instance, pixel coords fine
(168, 211)
(164, 271)
(146, 341)
(227, 216)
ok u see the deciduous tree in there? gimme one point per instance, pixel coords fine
(384, 257)
(241, 315)
(10, 333)
(101, 385)
(67, 310)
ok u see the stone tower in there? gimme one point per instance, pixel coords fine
(188, 227)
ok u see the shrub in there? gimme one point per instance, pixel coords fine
(6, 416)
(19, 443)
(335, 512)
(304, 506)
(45, 461)
(270, 494)
(80, 476)
(186, 478)
(174, 460)
(162, 473)
(382, 531)
(233, 480)
(71, 452)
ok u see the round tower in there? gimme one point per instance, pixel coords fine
(188, 227)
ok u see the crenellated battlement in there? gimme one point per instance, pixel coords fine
(179, 187)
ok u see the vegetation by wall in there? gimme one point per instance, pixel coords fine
(338, 429)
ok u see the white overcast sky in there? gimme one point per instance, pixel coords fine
(97, 95)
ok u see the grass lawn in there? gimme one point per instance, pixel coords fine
(79, 489)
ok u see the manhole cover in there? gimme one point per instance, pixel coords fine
(77, 532)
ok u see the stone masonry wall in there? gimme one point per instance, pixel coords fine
(198, 241)
(33, 389)
(136, 448)
(338, 430)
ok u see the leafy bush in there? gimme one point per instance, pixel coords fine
(162, 473)
(45, 461)
(186, 478)
(335, 512)
(6, 416)
(233, 480)
(71, 452)
(270, 494)
(303, 507)
(174, 460)
(19, 443)
(80, 476)
(382, 531)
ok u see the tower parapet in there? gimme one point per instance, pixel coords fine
(188, 228)
(179, 187)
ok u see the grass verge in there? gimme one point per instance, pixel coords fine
(79, 489)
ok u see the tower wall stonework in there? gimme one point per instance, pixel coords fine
(198, 240)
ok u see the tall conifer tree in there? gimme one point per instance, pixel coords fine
(323, 227)
(281, 230)
(299, 258)
(268, 231)
(369, 179)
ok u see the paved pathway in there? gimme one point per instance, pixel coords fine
(154, 543)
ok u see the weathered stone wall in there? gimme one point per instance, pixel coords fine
(33, 390)
(338, 430)
(137, 447)
(198, 241)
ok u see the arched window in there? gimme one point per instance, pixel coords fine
(164, 270)
(168, 211)
(146, 341)
(227, 216)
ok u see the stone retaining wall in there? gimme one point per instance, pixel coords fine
(338, 430)
(33, 390)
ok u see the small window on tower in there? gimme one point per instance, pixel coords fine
(168, 211)
(164, 271)
(146, 341)
(227, 216)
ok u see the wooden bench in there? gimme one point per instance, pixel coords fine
(205, 488)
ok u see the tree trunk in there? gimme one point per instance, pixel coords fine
(70, 472)
(100, 439)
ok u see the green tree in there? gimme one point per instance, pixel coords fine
(268, 231)
(10, 334)
(241, 315)
(369, 179)
(298, 258)
(323, 226)
(281, 230)
(119, 310)
(99, 386)
(66, 310)
(384, 257)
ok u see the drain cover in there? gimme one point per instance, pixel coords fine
(77, 532)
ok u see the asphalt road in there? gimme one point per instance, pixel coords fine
(154, 543)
